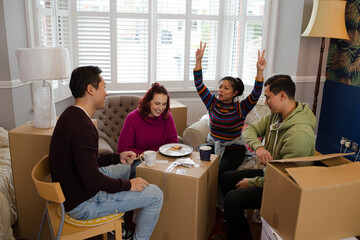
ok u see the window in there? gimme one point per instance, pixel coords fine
(53, 30)
(137, 42)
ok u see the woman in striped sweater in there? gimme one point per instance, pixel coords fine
(226, 115)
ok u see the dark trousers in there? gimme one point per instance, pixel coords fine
(133, 168)
(231, 159)
(236, 200)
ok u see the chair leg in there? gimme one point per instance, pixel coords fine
(105, 236)
(118, 231)
(42, 224)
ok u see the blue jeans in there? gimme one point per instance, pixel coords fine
(149, 203)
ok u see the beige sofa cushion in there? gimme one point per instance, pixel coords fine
(196, 134)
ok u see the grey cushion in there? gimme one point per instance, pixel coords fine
(110, 120)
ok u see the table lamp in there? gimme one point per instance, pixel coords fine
(43, 64)
(327, 20)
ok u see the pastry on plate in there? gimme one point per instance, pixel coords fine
(176, 148)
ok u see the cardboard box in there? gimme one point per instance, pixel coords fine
(179, 113)
(27, 146)
(189, 208)
(313, 197)
(268, 233)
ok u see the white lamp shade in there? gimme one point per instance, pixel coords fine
(327, 20)
(43, 64)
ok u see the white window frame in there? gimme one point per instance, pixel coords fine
(34, 40)
(268, 42)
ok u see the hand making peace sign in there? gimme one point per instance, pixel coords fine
(200, 51)
(261, 63)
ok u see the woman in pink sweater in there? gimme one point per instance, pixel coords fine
(149, 126)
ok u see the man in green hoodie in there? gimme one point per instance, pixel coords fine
(288, 132)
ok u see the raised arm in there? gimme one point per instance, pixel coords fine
(249, 103)
(199, 54)
(203, 91)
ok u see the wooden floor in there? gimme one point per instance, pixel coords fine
(219, 231)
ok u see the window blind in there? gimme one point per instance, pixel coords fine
(142, 41)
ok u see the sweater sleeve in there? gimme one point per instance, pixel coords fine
(252, 132)
(202, 90)
(127, 135)
(256, 181)
(172, 135)
(105, 159)
(87, 160)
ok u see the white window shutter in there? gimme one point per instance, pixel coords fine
(132, 50)
(170, 49)
(243, 38)
(94, 43)
(143, 41)
(54, 31)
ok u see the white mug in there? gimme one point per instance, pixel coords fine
(148, 158)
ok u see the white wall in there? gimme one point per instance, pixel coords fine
(15, 98)
(293, 55)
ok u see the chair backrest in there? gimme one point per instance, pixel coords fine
(111, 118)
(47, 190)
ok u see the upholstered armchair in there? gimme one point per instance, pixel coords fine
(110, 120)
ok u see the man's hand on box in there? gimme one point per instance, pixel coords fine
(263, 155)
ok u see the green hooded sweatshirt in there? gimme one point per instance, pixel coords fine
(294, 137)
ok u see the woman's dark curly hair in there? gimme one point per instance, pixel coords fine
(144, 103)
(236, 83)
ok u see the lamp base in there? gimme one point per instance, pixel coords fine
(44, 105)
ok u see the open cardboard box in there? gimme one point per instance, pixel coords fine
(315, 197)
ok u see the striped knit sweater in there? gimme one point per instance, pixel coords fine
(226, 120)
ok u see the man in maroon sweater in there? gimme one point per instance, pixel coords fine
(96, 184)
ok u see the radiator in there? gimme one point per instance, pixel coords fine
(196, 109)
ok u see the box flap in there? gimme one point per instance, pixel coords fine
(313, 158)
(314, 177)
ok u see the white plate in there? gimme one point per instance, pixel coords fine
(165, 149)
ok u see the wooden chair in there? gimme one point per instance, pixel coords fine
(59, 227)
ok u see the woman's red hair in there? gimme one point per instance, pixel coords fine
(144, 103)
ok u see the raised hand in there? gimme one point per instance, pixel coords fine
(200, 52)
(261, 63)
